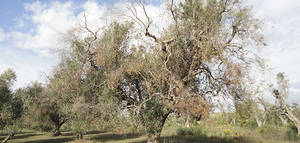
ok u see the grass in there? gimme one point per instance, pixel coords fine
(111, 138)
(209, 133)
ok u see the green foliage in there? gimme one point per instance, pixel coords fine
(153, 116)
(79, 125)
(105, 79)
(6, 80)
(291, 133)
(35, 114)
(249, 123)
(184, 131)
(11, 106)
(273, 116)
(262, 129)
(196, 130)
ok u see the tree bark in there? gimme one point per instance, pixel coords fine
(287, 111)
(294, 119)
(79, 136)
(57, 130)
(298, 129)
(259, 123)
(188, 121)
(153, 137)
(10, 136)
(266, 110)
(232, 121)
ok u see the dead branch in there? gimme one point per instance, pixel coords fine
(147, 24)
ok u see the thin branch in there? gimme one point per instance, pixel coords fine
(89, 43)
(173, 13)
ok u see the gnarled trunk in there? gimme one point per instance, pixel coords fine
(79, 136)
(10, 136)
(287, 111)
(258, 121)
(57, 132)
(154, 135)
(57, 129)
(294, 119)
(298, 129)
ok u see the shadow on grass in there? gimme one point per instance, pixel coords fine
(203, 139)
(20, 136)
(66, 133)
(52, 140)
(28, 135)
(23, 136)
(114, 137)
(104, 137)
(94, 132)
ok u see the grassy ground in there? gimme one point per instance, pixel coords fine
(108, 137)
(206, 132)
(30, 137)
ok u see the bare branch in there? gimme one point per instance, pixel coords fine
(173, 13)
(89, 43)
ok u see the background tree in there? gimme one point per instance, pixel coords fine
(31, 96)
(10, 105)
(280, 94)
(78, 86)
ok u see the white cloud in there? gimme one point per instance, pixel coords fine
(281, 28)
(294, 96)
(2, 35)
(27, 65)
(49, 23)
(45, 25)
(96, 14)
(282, 33)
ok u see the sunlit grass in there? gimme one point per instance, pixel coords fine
(214, 133)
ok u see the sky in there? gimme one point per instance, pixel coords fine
(31, 31)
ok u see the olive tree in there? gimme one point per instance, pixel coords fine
(280, 93)
(31, 96)
(207, 50)
(77, 86)
(10, 105)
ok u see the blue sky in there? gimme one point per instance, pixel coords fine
(10, 10)
(31, 31)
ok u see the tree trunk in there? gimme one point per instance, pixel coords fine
(294, 119)
(79, 137)
(154, 136)
(233, 121)
(8, 137)
(58, 126)
(57, 131)
(287, 111)
(188, 121)
(258, 121)
(298, 129)
(266, 109)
